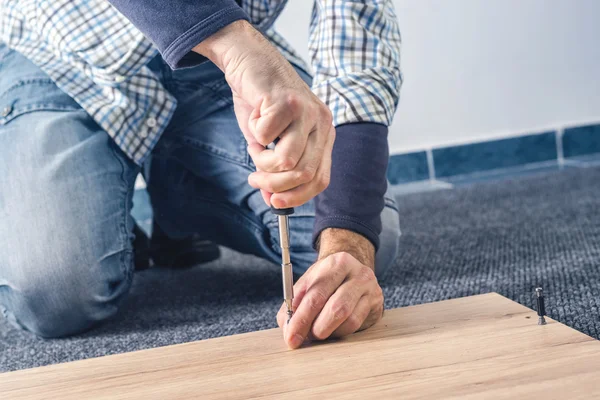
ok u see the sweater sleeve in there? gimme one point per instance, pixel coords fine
(176, 27)
(355, 196)
(355, 53)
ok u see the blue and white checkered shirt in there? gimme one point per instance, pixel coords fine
(99, 58)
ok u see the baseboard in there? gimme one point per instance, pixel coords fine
(534, 148)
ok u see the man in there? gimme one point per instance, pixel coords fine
(87, 103)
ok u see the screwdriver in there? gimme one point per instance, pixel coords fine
(284, 242)
(286, 263)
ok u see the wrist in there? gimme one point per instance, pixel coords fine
(234, 38)
(334, 240)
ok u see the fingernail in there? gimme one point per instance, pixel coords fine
(297, 340)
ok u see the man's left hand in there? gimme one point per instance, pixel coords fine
(336, 296)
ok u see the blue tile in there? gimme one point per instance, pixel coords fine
(408, 167)
(581, 140)
(476, 157)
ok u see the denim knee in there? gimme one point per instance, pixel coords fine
(388, 239)
(67, 299)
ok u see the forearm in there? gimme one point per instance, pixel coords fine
(333, 240)
(235, 42)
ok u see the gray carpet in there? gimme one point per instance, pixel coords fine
(506, 236)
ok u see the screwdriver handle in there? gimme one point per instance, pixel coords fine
(282, 211)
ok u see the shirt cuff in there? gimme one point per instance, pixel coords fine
(179, 54)
(354, 199)
(176, 27)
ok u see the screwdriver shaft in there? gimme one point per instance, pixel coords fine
(286, 264)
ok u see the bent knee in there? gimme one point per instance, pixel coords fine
(389, 241)
(64, 301)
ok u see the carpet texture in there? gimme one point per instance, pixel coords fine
(505, 236)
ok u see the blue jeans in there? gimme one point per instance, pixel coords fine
(66, 256)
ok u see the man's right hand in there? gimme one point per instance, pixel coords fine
(271, 101)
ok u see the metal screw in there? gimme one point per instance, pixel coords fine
(541, 309)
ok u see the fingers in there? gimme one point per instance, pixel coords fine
(339, 309)
(266, 197)
(356, 318)
(306, 191)
(336, 297)
(303, 172)
(291, 147)
(309, 120)
(270, 121)
(322, 283)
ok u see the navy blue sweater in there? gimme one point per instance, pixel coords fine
(354, 198)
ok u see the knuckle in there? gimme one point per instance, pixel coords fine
(317, 300)
(319, 333)
(336, 268)
(341, 310)
(323, 182)
(354, 322)
(307, 174)
(304, 321)
(286, 163)
(293, 102)
(366, 274)
(342, 258)
(325, 115)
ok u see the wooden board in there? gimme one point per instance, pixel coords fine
(471, 348)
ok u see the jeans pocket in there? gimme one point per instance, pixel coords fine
(34, 94)
(25, 88)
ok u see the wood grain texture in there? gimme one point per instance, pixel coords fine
(471, 348)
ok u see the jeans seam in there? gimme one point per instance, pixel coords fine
(18, 112)
(126, 270)
(28, 81)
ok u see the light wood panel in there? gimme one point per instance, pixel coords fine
(471, 348)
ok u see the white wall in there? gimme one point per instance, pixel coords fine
(477, 69)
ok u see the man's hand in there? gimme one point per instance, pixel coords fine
(338, 295)
(271, 101)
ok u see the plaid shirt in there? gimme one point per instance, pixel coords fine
(94, 54)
